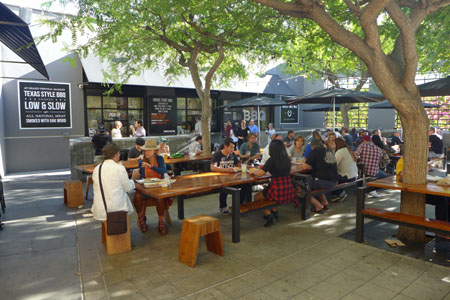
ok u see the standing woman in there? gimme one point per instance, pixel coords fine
(242, 133)
(280, 188)
(115, 132)
(297, 150)
(270, 131)
(151, 166)
(228, 128)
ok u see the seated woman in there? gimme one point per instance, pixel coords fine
(346, 167)
(330, 143)
(151, 166)
(297, 151)
(280, 188)
(315, 136)
(324, 172)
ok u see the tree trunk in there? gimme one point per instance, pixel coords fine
(415, 153)
(206, 124)
(345, 108)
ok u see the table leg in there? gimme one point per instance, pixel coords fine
(360, 201)
(180, 205)
(236, 213)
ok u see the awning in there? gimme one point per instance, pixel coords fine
(15, 34)
(269, 84)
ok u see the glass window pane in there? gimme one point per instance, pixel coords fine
(94, 101)
(114, 114)
(194, 103)
(109, 102)
(94, 117)
(181, 117)
(194, 112)
(134, 115)
(121, 102)
(181, 103)
(136, 102)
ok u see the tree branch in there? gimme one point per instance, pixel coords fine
(355, 9)
(369, 25)
(408, 38)
(213, 69)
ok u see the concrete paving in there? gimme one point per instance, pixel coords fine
(48, 251)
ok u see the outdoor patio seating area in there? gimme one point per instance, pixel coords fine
(49, 251)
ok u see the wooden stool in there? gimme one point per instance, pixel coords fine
(193, 228)
(73, 193)
(119, 243)
(89, 181)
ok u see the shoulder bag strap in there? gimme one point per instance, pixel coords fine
(101, 186)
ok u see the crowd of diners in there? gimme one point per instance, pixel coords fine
(330, 157)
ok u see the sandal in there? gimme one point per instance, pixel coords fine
(161, 227)
(141, 223)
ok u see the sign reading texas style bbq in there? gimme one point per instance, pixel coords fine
(163, 116)
(44, 105)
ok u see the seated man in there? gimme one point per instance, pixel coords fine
(136, 152)
(195, 148)
(378, 140)
(395, 139)
(250, 150)
(436, 145)
(370, 155)
(289, 140)
(226, 161)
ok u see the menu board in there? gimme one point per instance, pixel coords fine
(163, 116)
(289, 114)
(44, 105)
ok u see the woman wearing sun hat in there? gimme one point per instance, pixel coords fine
(151, 166)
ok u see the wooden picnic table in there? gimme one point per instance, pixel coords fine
(133, 164)
(194, 184)
(430, 188)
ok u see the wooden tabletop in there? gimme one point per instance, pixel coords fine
(429, 188)
(204, 182)
(133, 164)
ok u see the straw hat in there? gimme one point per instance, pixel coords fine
(150, 145)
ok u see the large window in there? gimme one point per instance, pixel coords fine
(107, 109)
(236, 115)
(188, 109)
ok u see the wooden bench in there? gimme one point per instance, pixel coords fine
(119, 243)
(254, 205)
(305, 181)
(393, 217)
(73, 193)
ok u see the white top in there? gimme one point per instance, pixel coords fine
(271, 132)
(233, 137)
(266, 155)
(116, 185)
(194, 147)
(198, 127)
(116, 133)
(346, 166)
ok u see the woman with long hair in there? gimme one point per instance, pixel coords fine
(297, 150)
(346, 167)
(242, 133)
(330, 142)
(315, 136)
(280, 188)
(151, 166)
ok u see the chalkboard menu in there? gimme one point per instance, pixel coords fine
(289, 114)
(163, 116)
(44, 105)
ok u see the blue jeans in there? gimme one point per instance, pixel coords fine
(381, 174)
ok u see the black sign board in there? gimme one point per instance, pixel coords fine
(289, 114)
(44, 105)
(163, 116)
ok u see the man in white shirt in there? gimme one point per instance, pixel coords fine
(198, 126)
(195, 148)
(115, 183)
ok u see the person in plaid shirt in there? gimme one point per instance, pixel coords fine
(281, 188)
(370, 155)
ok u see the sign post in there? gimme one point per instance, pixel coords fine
(44, 105)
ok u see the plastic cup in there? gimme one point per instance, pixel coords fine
(244, 168)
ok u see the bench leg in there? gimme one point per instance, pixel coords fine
(360, 201)
(180, 204)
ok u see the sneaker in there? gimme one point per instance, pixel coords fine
(343, 198)
(334, 198)
(225, 211)
(374, 194)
